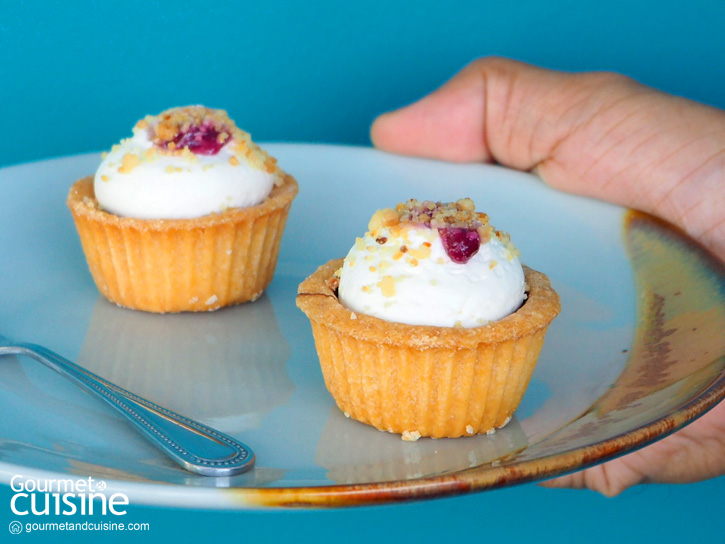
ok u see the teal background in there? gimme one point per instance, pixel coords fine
(75, 76)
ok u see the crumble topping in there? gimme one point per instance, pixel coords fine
(461, 228)
(459, 214)
(191, 131)
(200, 130)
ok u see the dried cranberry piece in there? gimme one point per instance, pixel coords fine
(460, 244)
(200, 139)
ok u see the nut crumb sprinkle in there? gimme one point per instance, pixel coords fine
(190, 131)
(410, 436)
(460, 214)
(333, 282)
(128, 162)
(387, 286)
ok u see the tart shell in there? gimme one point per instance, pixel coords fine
(177, 265)
(427, 381)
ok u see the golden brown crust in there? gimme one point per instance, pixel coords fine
(177, 265)
(316, 299)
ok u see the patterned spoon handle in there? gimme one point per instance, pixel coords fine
(194, 446)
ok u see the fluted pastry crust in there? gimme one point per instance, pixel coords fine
(175, 265)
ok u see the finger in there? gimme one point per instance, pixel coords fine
(447, 124)
(596, 134)
(694, 453)
(493, 109)
(609, 479)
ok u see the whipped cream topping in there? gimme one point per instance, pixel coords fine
(184, 163)
(405, 269)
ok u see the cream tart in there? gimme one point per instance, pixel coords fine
(185, 215)
(430, 326)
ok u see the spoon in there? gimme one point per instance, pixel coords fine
(194, 446)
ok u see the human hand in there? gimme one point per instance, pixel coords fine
(601, 135)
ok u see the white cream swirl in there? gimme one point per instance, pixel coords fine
(423, 286)
(138, 178)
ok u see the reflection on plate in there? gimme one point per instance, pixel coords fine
(232, 361)
(637, 352)
(354, 453)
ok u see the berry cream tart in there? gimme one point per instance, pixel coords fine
(430, 326)
(185, 215)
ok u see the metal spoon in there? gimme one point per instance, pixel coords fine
(194, 446)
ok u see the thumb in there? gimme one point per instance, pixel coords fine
(493, 110)
(447, 124)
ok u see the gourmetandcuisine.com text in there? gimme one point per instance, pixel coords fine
(85, 526)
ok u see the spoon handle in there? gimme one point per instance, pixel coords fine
(194, 446)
